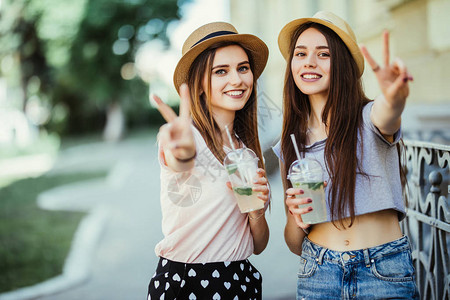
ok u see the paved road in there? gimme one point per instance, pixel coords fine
(124, 259)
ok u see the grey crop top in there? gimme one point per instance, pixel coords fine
(382, 189)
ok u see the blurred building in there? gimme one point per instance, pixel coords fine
(420, 36)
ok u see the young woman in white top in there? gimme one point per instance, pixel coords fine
(359, 252)
(207, 240)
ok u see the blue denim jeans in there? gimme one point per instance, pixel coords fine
(382, 272)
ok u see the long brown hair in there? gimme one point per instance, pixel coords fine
(343, 111)
(245, 121)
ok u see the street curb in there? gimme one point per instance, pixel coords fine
(77, 267)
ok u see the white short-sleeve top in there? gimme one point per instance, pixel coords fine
(201, 221)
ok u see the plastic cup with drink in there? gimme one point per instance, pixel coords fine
(307, 174)
(241, 165)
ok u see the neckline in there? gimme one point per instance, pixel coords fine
(241, 144)
(316, 143)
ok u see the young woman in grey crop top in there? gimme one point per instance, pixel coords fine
(360, 252)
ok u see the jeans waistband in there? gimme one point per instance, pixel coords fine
(354, 256)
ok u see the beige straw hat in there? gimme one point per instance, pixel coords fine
(211, 33)
(330, 20)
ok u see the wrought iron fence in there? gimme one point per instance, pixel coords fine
(427, 222)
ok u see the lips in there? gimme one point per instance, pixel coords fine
(311, 76)
(235, 93)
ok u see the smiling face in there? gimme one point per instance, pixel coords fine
(231, 80)
(311, 63)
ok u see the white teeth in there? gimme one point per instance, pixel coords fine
(234, 93)
(311, 76)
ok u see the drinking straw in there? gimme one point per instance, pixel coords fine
(294, 142)
(229, 137)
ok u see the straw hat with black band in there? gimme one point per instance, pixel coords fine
(330, 20)
(209, 34)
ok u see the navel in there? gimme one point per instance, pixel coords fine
(346, 242)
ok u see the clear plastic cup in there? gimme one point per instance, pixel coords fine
(307, 174)
(241, 165)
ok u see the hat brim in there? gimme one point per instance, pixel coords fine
(256, 46)
(286, 35)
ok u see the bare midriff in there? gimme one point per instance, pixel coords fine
(367, 231)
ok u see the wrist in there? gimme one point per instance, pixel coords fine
(186, 160)
(257, 214)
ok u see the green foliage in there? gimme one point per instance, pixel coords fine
(109, 34)
(34, 243)
(244, 191)
(74, 51)
(19, 38)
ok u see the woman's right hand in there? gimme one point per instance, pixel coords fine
(176, 137)
(293, 203)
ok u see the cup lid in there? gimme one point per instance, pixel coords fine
(239, 155)
(306, 167)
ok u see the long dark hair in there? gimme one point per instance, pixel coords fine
(342, 115)
(245, 121)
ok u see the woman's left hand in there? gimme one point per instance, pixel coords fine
(392, 77)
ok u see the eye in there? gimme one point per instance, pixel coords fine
(299, 53)
(220, 72)
(324, 54)
(244, 69)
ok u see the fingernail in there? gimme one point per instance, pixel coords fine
(309, 200)
(410, 78)
(291, 213)
(405, 79)
(155, 99)
(310, 208)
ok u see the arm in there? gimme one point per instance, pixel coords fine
(393, 81)
(256, 219)
(175, 137)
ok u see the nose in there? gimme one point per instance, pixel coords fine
(235, 78)
(310, 61)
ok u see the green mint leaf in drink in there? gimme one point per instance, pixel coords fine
(231, 169)
(297, 185)
(315, 185)
(244, 191)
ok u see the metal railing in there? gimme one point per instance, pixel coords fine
(428, 216)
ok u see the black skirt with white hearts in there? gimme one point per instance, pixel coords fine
(219, 280)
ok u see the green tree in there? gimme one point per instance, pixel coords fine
(19, 39)
(77, 52)
(110, 33)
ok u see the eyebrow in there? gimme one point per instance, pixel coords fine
(227, 66)
(318, 47)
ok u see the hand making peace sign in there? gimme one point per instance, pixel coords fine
(392, 77)
(176, 135)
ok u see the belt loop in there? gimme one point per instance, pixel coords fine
(366, 257)
(321, 254)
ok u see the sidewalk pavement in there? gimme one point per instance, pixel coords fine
(112, 256)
